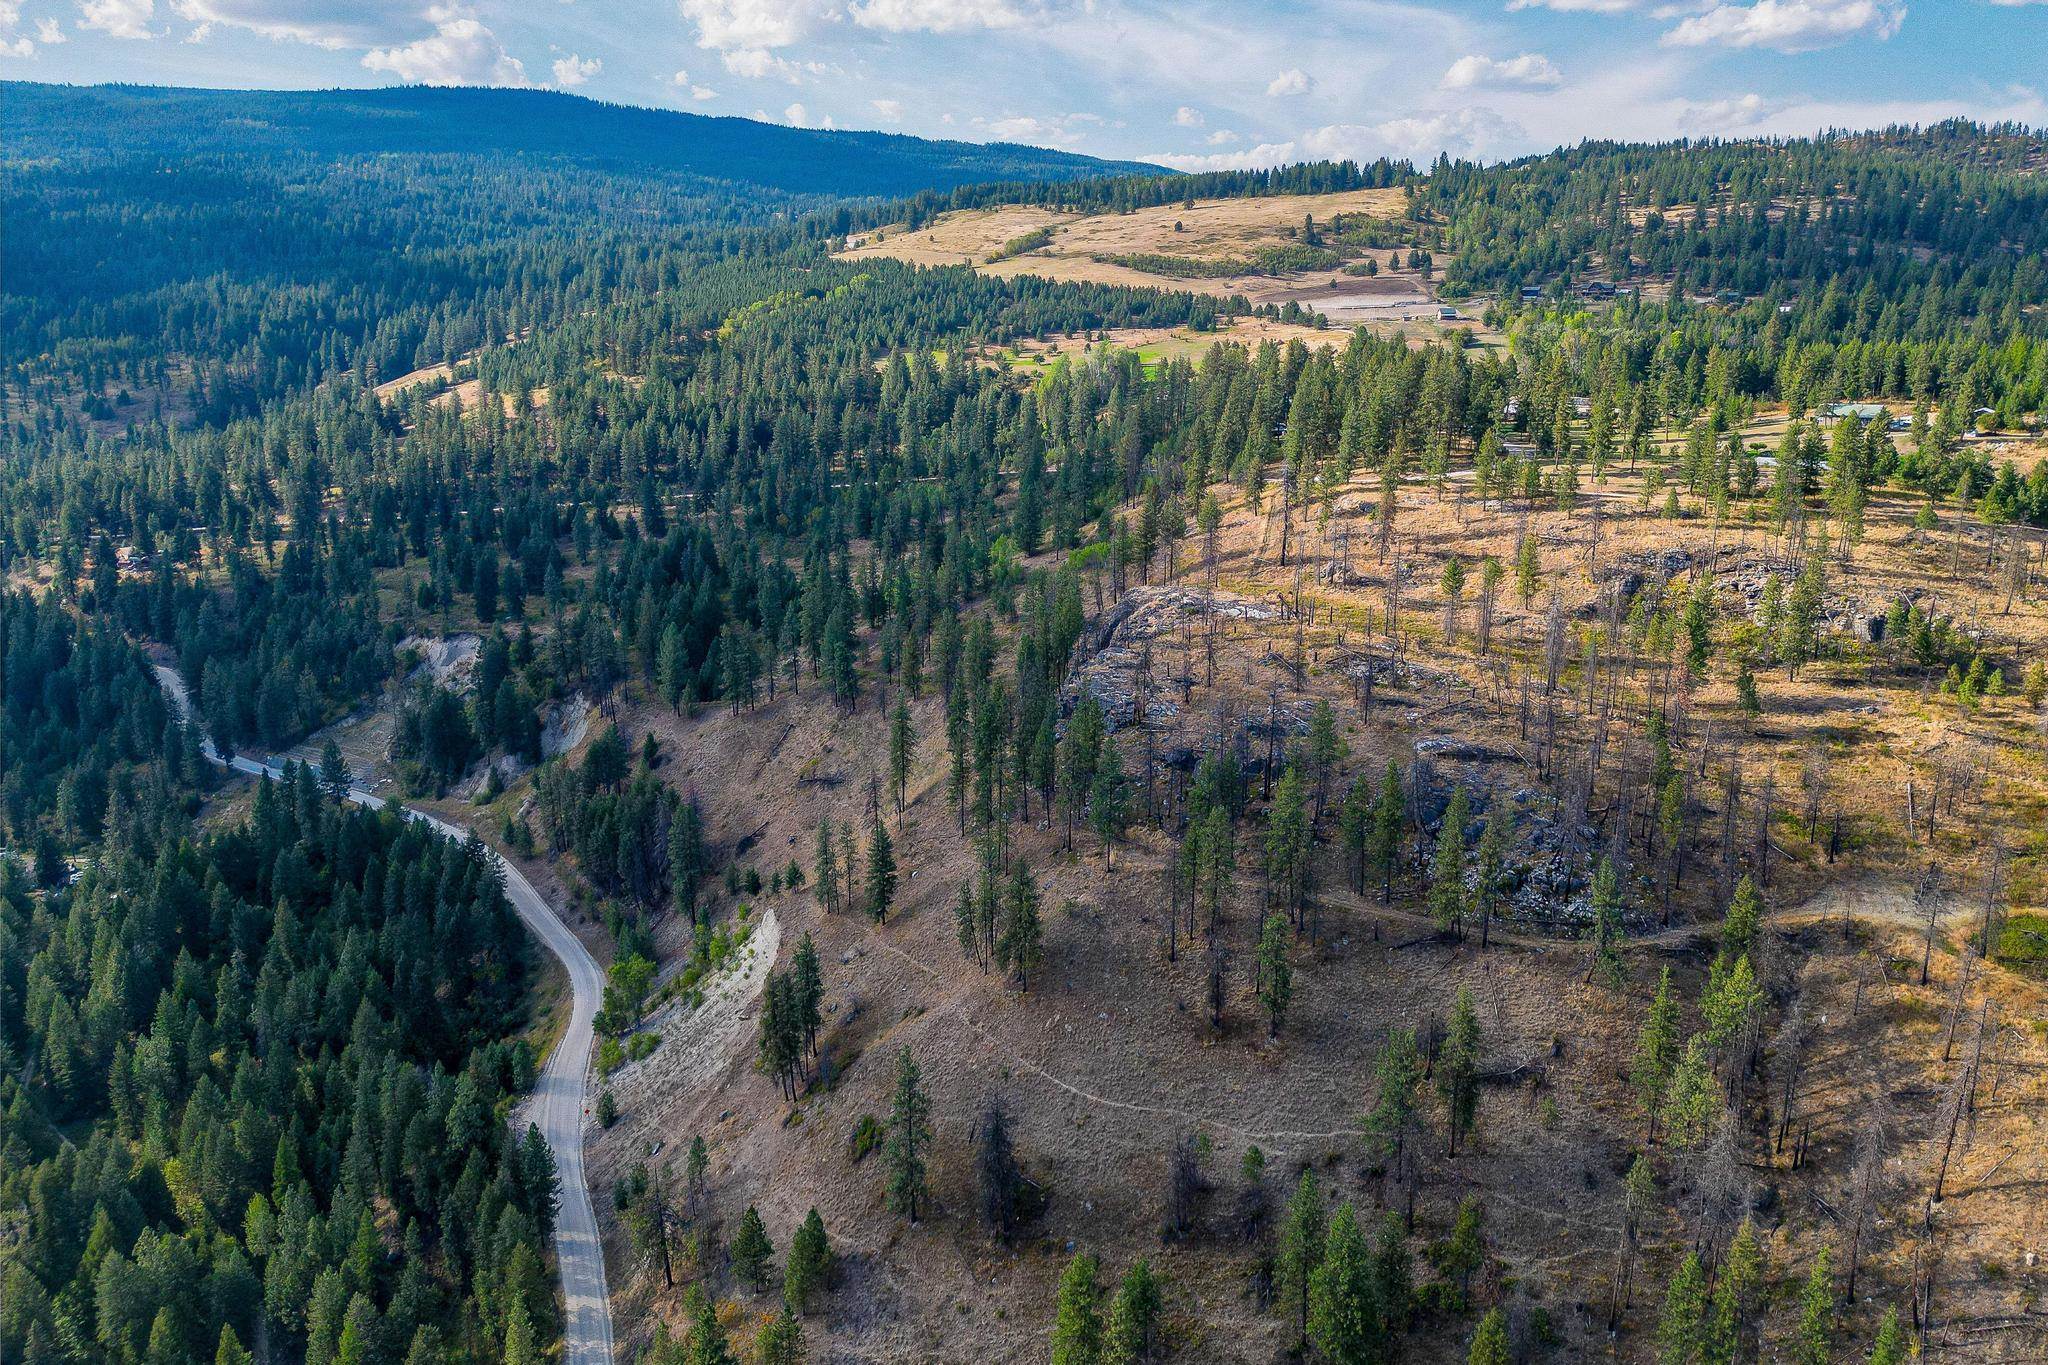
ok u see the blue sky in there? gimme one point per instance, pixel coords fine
(1199, 83)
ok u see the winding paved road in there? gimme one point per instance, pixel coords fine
(557, 1102)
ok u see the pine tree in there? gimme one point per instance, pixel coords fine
(1457, 1069)
(1607, 965)
(782, 1341)
(910, 1136)
(1692, 1100)
(520, 1346)
(1731, 1002)
(1490, 1342)
(1133, 1330)
(1528, 569)
(1021, 947)
(1108, 800)
(334, 774)
(902, 746)
(1393, 1120)
(1354, 829)
(1447, 874)
(1681, 1331)
(1276, 974)
(1656, 1053)
(1288, 836)
(1393, 1272)
(708, 1345)
(750, 1251)
(1079, 753)
(1384, 845)
(808, 982)
(1738, 1299)
(1813, 1340)
(808, 1265)
(881, 881)
(1302, 1237)
(1345, 1318)
(1745, 916)
(1491, 865)
(1747, 699)
(825, 869)
(1461, 1254)
(231, 1352)
(1077, 1321)
(1890, 1346)
(1327, 749)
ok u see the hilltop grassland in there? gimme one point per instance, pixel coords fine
(1256, 248)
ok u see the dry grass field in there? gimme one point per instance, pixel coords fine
(1081, 247)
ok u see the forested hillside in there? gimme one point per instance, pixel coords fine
(1360, 836)
(398, 228)
(120, 123)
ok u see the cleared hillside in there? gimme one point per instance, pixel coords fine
(1305, 249)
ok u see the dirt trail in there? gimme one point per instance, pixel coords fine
(1277, 1139)
(1870, 898)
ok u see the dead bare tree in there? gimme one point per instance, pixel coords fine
(1927, 892)
(1788, 1062)
(1868, 1182)
(1957, 1100)
(1184, 1188)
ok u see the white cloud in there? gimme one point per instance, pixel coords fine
(1576, 6)
(117, 18)
(1530, 70)
(461, 51)
(1293, 81)
(49, 32)
(726, 24)
(759, 64)
(1724, 117)
(889, 111)
(1250, 159)
(1222, 137)
(934, 16)
(1052, 130)
(572, 70)
(330, 24)
(1187, 116)
(1472, 133)
(796, 116)
(681, 81)
(14, 43)
(1789, 25)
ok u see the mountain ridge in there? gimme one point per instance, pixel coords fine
(41, 121)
